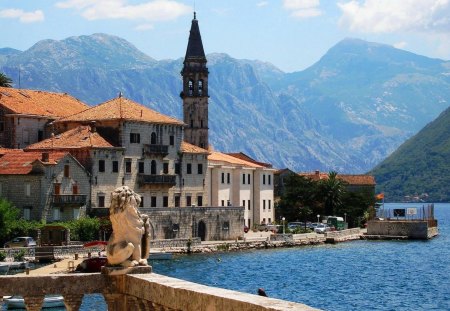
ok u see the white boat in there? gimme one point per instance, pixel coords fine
(6, 266)
(50, 301)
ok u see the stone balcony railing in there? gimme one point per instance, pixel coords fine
(156, 150)
(160, 180)
(136, 292)
(63, 199)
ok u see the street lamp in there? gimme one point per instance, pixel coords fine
(318, 218)
(283, 219)
(345, 217)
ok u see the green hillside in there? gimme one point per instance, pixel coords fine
(421, 165)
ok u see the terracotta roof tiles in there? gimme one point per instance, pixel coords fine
(225, 158)
(348, 178)
(30, 102)
(188, 148)
(20, 163)
(121, 108)
(79, 137)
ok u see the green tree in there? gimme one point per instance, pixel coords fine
(8, 216)
(300, 199)
(5, 81)
(332, 191)
(357, 206)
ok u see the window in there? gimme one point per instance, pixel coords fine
(200, 87)
(226, 225)
(165, 201)
(248, 204)
(75, 189)
(166, 168)
(177, 168)
(243, 179)
(56, 188)
(249, 223)
(269, 179)
(199, 200)
(153, 138)
(115, 166)
(223, 178)
(177, 200)
(27, 190)
(27, 213)
(248, 179)
(66, 170)
(264, 179)
(40, 134)
(172, 140)
(128, 166)
(153, 201)
(228, 178)
(269, 220)
(2, 126)
(142, 201)
(101, 166)
(188, 200)
(141, 167)
(135, 138)
(189, 168)
(243, 203)
(264, 221)
(200, 168)
(101, 201)
(223, 202)
(270, 204)
(56, 213)
(192, 123)
(191, 87)
(153, 168)
(264, 205)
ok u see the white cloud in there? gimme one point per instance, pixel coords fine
(22, 16)
(400, 45)
(156, 10)
(303, 8)
(262, 3)
(384, 16)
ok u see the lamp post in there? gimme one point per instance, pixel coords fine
(283, 219)
(345, 217)
(318, 218)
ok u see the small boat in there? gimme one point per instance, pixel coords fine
(17, 302)
(92, 264)
(6, 266)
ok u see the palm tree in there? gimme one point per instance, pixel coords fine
(5, 81)
(332, 191)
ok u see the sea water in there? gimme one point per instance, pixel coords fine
(357, 275)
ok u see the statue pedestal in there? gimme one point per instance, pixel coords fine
(126, 270)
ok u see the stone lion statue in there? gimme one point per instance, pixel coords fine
(129, 244)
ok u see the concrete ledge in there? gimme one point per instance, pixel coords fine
(182, 295)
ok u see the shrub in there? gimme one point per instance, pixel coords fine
(19, 256)
(2, 256)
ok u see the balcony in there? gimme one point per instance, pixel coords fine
(69, 199)
(159, 180)
(156, 150)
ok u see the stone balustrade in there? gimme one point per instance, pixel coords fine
(137, 292)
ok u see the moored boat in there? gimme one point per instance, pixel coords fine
(50, 301)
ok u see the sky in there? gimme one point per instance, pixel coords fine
(290, 34)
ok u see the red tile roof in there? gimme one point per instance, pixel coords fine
(243, 156)
(20, 163)
(368, 180)
(121, 108)
(188, 148)
(219, 157)
(30, 102)
(79, 137)
(4, 151)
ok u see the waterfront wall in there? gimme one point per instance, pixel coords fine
(138, 292)
(414, 229)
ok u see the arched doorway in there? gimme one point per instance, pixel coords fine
(202, 230)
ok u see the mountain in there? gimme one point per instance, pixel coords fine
(420, 166)
(347, 112)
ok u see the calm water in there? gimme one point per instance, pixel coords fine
(359, 275)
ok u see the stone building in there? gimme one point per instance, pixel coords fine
(44, 185)
(25, 114)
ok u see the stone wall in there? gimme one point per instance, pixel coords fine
(412, 229)
(208, 223)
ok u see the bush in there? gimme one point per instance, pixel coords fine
(2, 256)
(19, 256)
(85, 229)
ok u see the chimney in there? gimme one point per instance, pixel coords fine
(45, 156)
(317, 173)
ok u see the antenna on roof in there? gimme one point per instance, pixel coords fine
(195, 17)
(120, 94)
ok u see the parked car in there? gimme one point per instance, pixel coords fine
(322, 228)
(23, 241)
(313, 225)
(273, 228)
(296, 225)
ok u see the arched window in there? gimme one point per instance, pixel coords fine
(153, 138)
(191, 87)
(200, 87)
(153, 167)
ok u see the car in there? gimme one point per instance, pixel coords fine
(296, 225)
(313, 225)
(322, 228)
(23, 241)
(269, 227)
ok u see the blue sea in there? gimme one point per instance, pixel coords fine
(358, 275)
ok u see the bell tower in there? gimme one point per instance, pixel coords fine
(195, 90)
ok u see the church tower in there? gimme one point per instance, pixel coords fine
(195, 90)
